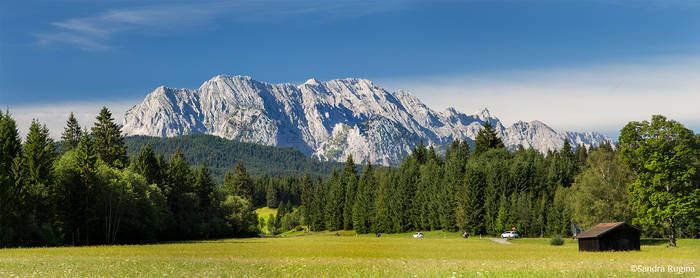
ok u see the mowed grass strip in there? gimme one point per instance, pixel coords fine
(324, 255)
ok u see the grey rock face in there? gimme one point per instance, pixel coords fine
(328, 120)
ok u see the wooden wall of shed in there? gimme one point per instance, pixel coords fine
(588, 244)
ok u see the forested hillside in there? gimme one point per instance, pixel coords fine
(221, 155)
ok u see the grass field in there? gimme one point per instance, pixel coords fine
(324, 255)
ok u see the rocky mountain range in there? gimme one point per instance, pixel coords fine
(327, 120)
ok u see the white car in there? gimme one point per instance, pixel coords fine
(418, 235)
(510, 234)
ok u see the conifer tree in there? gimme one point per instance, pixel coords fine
(307, 198)
(38, 157)
(363, 209)
(10, 148)
(109, 142)
(336, 202)
(348, 178)
(470, 200)
(239, 183)
(71, 133)
(384, 207)
(148, 165)
(81, 197)
(486, 139)
(204, 188)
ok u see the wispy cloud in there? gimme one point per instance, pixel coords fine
(587, 98)
(95, 32)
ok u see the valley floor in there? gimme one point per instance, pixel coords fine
(325, 255)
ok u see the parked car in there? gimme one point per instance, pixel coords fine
(418, 235)
(510, 234)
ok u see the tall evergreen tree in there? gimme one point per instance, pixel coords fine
(71, 133)
(38, 157)
(109, 142)
(148, 165)
(307, 198)
(348, 178)
(204, 188)
(486, 139)
(384, 207)
(470, 200)
(363, 208)
(10, 148)
(81, 196)
(336, 202)
(239, 183)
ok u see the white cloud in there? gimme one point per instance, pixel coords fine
(93, 32)
(586, 98)
(55, 115)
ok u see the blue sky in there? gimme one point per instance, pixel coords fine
(591, 65)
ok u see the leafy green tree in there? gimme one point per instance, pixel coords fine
(109, 142)
(486, 139)
(240, 216)
(71, 133)
(664, 154)
(599, 193)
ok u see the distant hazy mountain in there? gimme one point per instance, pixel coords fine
(328, 120)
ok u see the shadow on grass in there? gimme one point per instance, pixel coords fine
(653, 241)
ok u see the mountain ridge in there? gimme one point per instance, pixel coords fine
(327, 120)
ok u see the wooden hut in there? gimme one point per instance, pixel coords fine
(618, 236)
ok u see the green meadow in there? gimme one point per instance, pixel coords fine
(325, 255)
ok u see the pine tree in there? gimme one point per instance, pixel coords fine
(383, 204)
(486, 139)
(239, 183)
(71, 133)
(271, 196)
(81, 196)
(109, 142)
(470, 200)
(363, 209)
(205, 192)
(336, 202)
(348, 178)
(148, 166)
(307, 198)
(38, 157)
(10, 149)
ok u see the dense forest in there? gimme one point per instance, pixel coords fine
(220, 154)
(86, 189)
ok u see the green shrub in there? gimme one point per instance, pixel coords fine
(557, 240)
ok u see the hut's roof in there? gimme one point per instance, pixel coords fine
(601, 229)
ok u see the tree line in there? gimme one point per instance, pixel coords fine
(650, 179)
(84, 190)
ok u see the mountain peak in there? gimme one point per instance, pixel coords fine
(312, 81)
(343, 117)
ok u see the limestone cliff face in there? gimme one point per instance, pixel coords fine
(328, 120)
